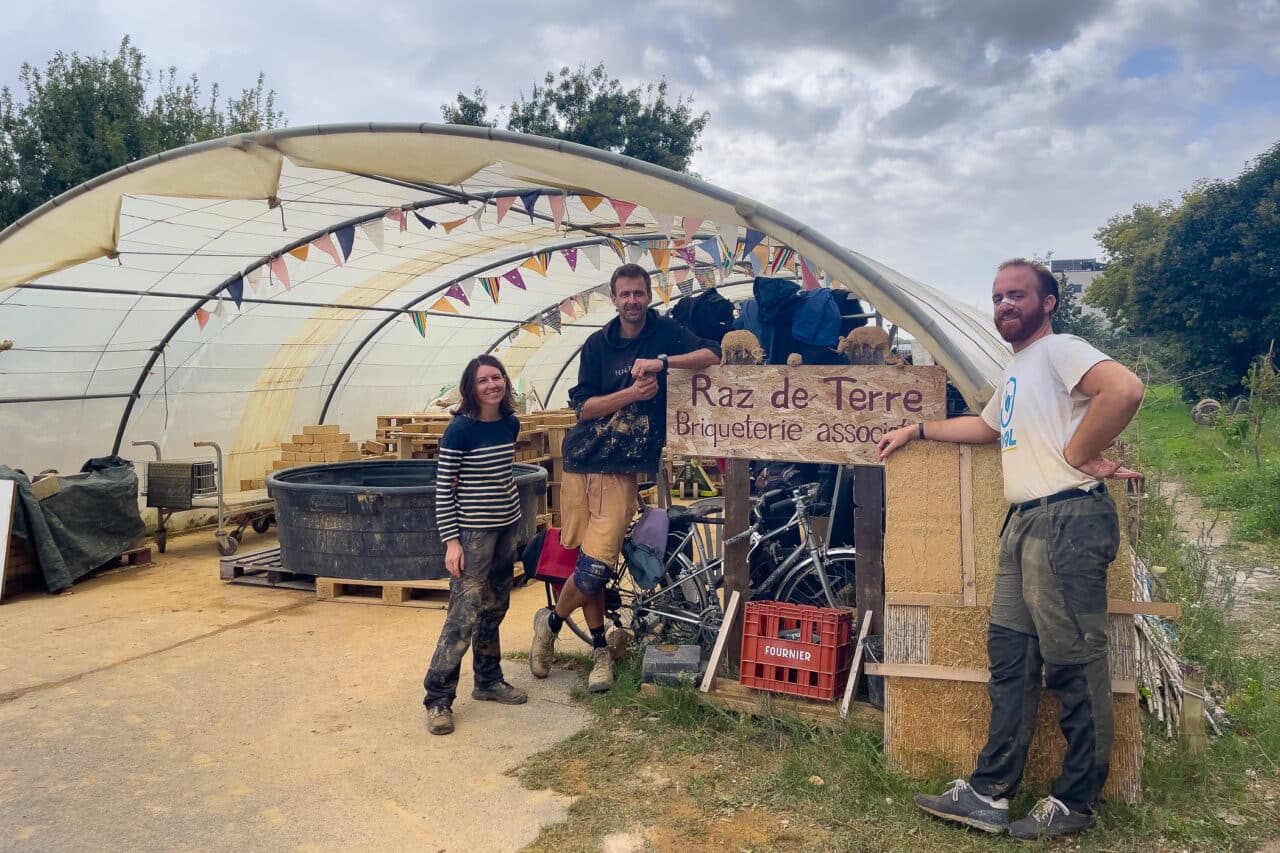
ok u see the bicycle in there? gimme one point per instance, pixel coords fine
(685, 603)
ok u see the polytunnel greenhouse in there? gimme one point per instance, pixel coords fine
(234, 290)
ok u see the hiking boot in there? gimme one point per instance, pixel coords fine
(601, 677)
(440, 719)
(502, 693)
(965, 805)
(543, 651)
(1050, 819)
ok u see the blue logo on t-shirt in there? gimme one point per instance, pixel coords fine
(1007, 441)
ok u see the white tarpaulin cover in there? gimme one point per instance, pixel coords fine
(120, 296)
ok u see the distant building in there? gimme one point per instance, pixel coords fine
(1080, 273)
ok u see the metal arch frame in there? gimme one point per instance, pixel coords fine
(970, 371)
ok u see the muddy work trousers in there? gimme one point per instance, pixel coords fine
(477, 602)
(1049, 615)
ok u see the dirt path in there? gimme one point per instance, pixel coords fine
(1256, 575)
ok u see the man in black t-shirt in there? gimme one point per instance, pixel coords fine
(621, 400)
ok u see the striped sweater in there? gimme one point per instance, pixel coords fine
(475, 487)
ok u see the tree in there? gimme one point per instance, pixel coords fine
(85, 115)
(1203, 276)
(591, 108)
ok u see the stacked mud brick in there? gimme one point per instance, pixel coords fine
(313, 446)
(944, 512)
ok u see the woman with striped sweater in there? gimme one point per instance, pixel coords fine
(478, 515)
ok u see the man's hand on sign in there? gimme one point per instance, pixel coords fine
(646, 367)
(645, 388)
(895, 439)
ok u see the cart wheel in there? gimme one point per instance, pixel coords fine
(238, 534)
(162, 539)
(227, 546)
(262, 525)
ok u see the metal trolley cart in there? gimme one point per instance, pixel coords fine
(181, 485)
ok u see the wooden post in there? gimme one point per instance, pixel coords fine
(1194, 739)
(737, 517)
(868, 539)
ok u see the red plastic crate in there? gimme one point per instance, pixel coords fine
(800, 667)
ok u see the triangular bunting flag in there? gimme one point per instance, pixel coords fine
(373, 230)
(590, 202)
(661, 257)
(571, 258)
(686, 287)
(426, 223)
(491, 286)
(299, 252)
(728, 235)
(618, 248)
(325, 244)
(557, 210)
(605, 291)
(449, 226)
(666, 223)
(545, 257)
(756, 266)
(592, 253)
(254, 278)
(397, 214)
(686, 254)
(419, 321)
(202, 318)
(761, 254)
(624, 210)
(810, 279)
(236, 291)
(503, 203)
(456, 291)
(476, 217)
(444, 306)
(570, 308)
(533, 329)
(551, 317)
(711, 246)
(753, 239)
(727, 263)
(690, 225)
(279, 270)
(515, 278)
(219, 309)
(782, 259)
(664, 293)
(346, 239)
(529, 200)
(682, 274)
(534, 262)
(635, 251)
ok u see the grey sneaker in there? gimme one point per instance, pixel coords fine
(440, 720)
(963, 805)
(1050, 819)
(543, 651)
(601, 677)
(502, 693)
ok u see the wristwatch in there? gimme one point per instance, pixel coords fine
(663, 358)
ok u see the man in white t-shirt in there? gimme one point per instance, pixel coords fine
(1060, 404)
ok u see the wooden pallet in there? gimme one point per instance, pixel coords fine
(432, 594)
(262, 568)
(729, 695)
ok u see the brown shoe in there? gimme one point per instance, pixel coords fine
(502, 693)
(601, 677)
(543, 652)
(440, 720)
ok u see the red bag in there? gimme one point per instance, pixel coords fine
(555, 562)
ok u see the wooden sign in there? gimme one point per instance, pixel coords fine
(802, 414)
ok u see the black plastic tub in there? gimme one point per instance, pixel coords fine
(373, 520)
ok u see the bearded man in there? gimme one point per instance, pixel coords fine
(1061, 403)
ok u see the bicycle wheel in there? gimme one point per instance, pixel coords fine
(680, 609)
(804, 585)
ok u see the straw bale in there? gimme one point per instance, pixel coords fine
(989, 509)
(922, 519)
(939, 727)
(958, 636)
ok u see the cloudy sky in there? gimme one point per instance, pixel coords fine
(938, 137)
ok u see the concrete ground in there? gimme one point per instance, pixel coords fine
(163, 709)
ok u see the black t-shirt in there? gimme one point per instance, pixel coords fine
(631, 439)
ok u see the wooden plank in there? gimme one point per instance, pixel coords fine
(927, 599)
(737, 518)
(851, 687)
(717, 651)
(8, 500)
(868, 538)
(732, 696)
(1166, 609)
(968, 565)
(959, 673)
